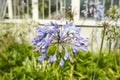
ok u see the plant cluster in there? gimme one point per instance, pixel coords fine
(63, 37)
(18, 62)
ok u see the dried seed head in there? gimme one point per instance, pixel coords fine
(105, 24)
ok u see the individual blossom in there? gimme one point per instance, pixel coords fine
(62, 37)
(61, 62)
(66, 54)
(93, 9)
(41, 58)
(52, 58)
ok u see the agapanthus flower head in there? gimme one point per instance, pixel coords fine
(63, 37)
(93, 9)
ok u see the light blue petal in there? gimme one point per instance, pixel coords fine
(84, 48)
(48, 24)
(42, 30)
(44, 49)
(55, 25)
(77, 30)
(54, 57)
(85, 40)
(41, 58)
(50, 59)
(39, 43)
(66, 54)
(34, 42)
(61, 62)
(68, 24)
(37, 49)
(75, 49)
(78, 36)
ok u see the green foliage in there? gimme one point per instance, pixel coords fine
(112, 12)
(18, 62)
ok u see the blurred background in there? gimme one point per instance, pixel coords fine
(41, 11)
(19, 20)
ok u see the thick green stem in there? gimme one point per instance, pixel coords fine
(103, 36)
(100, 53)
(110, 46)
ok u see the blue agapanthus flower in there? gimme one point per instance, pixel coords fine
(63, 36)
(93, 9)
